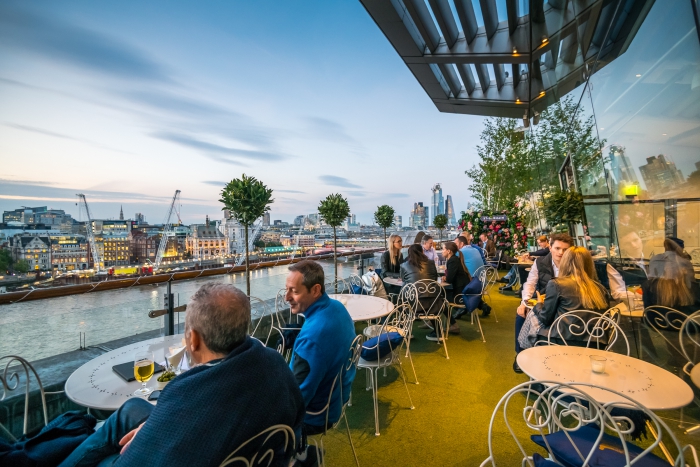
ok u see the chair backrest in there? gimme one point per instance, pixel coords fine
(604, 427)
(433, 295)
(356, 285)
(595, 329)
(666, 324)
(399, 320)
(261, 449)
(689, 338)
(11, 369)
(259, 311)
(336, 286)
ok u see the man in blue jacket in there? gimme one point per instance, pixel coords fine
(236, 390)
(322, 347)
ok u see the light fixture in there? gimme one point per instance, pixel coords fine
(515, 51)
(638, 76)
(663, 134)
(517, 101)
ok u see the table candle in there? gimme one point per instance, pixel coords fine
(598, 364)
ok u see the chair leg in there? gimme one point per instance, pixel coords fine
(440, 332)
(410, 359)
(493, 310)
(376, 402)
(474, 315)
(347, 426)
(405, 384)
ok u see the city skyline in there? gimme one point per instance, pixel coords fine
(127, 103)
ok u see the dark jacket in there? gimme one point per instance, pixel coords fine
(562, 296)
(650, 297)
(387, 267)
(490, 248)
(411, 274)
(542, 252)
(545, 272)
(428, 303)
(456, 275)
(207, 412)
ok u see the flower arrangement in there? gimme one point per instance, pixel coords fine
(506, 229)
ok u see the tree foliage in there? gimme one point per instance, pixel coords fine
(563, 208)
(440, 222)
(384, 217)
(21, 266)
(247, 198)
(334, 210)
(5, 260)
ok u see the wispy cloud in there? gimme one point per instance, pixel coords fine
(62, 41)
(396, 195)
(357, 193)
(292, 191)
(214, 183)
(171, 102)
(332, 131)
(218, 152)
(337, 181)
(53, 134)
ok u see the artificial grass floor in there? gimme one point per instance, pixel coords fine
(454, 402)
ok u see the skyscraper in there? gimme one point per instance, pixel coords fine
(437, 202)
(419, 216)
(621, 166)
(660, 174)
(266, 219)
(450, 211)
(398, 222)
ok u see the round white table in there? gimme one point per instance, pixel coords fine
(399, 283)
(650, 385)
(695, 375)
(97, 386)
(364, 307)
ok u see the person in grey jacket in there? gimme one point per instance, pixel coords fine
(418, 267)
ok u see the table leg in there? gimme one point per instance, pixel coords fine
(662, 446)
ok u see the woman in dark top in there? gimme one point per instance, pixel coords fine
(418, 267)
(456, 272)
(392, 258)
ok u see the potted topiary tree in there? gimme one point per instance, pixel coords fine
(384, 217)
(440, 222)
(247, 199)
(334, 210)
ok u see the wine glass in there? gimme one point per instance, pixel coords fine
(144, 368)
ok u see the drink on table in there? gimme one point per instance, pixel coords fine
(144, 367)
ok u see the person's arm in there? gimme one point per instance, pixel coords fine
(530, 283)
(547, 311)
(451, 271)
(542, 252)
(618, 288)
(432, 271)
(403, 272)
(384, 263)
(307, 377)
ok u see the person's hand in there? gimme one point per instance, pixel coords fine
(540, 297)
(522, 310)
(128, 438)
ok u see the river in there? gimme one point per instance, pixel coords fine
(43, 328)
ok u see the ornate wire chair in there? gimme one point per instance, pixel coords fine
(337, 286)
(278, 322)
(460, 299)
(262, 448)
(582, 430)
(11, 369)
(398, 321)
(259, 311)
(598, 330)
(663, 323)
(356, 283)
(430, 308)
(689, 340)
(491, 276)
(353, 357)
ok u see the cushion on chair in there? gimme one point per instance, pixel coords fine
(608, 453)
(357, 290)
(473, 288)
(542, 462)
(386, 341)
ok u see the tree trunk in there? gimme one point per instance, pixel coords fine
(335, 260)
(386, 245)
(247, 266)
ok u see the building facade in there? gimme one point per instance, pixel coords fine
(420, 216)
(206, 241)
(450, 211)
(34, 249)
(69, 253)
(437, 202)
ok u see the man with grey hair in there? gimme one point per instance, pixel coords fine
(236, 389)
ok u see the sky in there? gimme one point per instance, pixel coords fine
(128, 101)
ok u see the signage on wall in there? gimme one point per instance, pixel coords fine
(497, 218)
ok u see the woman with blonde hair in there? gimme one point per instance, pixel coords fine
(576, 288)
(392, 258)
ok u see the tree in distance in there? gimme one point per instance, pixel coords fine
(334, 210)
(440, 222)
(384, 217)
(247, 198)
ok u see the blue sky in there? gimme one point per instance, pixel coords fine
(128, 101)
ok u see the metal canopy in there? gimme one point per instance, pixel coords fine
(510, 68)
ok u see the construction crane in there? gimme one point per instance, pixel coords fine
(90, 234)
(167, 232)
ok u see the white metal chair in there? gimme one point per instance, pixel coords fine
(599, 330)
(460, 300)
(355, 282)
(258, 312)
(11, 369)
(398, 321)
(689, 340)
(491, 276)
(262, 448)
(664, 326)
(430, 308)
(282, 308)
(545, 415)
(337, 286)
(353, 357)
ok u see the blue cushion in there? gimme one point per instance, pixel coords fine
(473, 288)
(542, 462)
(386, 341)
(608, 453)
(357, 290)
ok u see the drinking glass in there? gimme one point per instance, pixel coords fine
(598, 363)
(144, 366)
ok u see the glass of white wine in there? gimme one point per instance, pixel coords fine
(144, 368)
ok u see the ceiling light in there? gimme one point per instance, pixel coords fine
(663, 134)
(545, 40)
(638, 76)
(602, 128)
(515, 51)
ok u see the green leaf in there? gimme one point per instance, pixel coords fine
(334, 209)
(384, 216)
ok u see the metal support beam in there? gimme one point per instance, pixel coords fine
(512, 10)
(465, 72)
(448, 72)
(448, 26)
(500, 72)
(490, 14)
(569, 48)
(465, 11)
(537, 11)
(483, 73)
(515, 71)
(424, 22)
(558, 4)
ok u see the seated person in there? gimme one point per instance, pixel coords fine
(673, 253)
(237, 389)
(575, 288)
(429, 247)
(391, 263)
(472, 255)
(457, 275)
(322, 346)
(511, 278)
(417, 267)
(673, 288)
(488, 245)
(543, 244)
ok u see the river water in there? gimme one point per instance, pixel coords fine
(43, 328)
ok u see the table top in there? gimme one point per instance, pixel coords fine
(97, 386)
(399, 283)
(364, 307)
(650, 385)
(695, 375)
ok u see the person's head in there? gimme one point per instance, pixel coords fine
(484, 238)
(461, 241)
(559, 243)
(217, 321)
(304, 285)
(449, 249)
(395, 244)
(631, 245)
(427, 242)
(577, 265)
(416, 257)
(674, 244)
(542, 241)
(673, 286)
